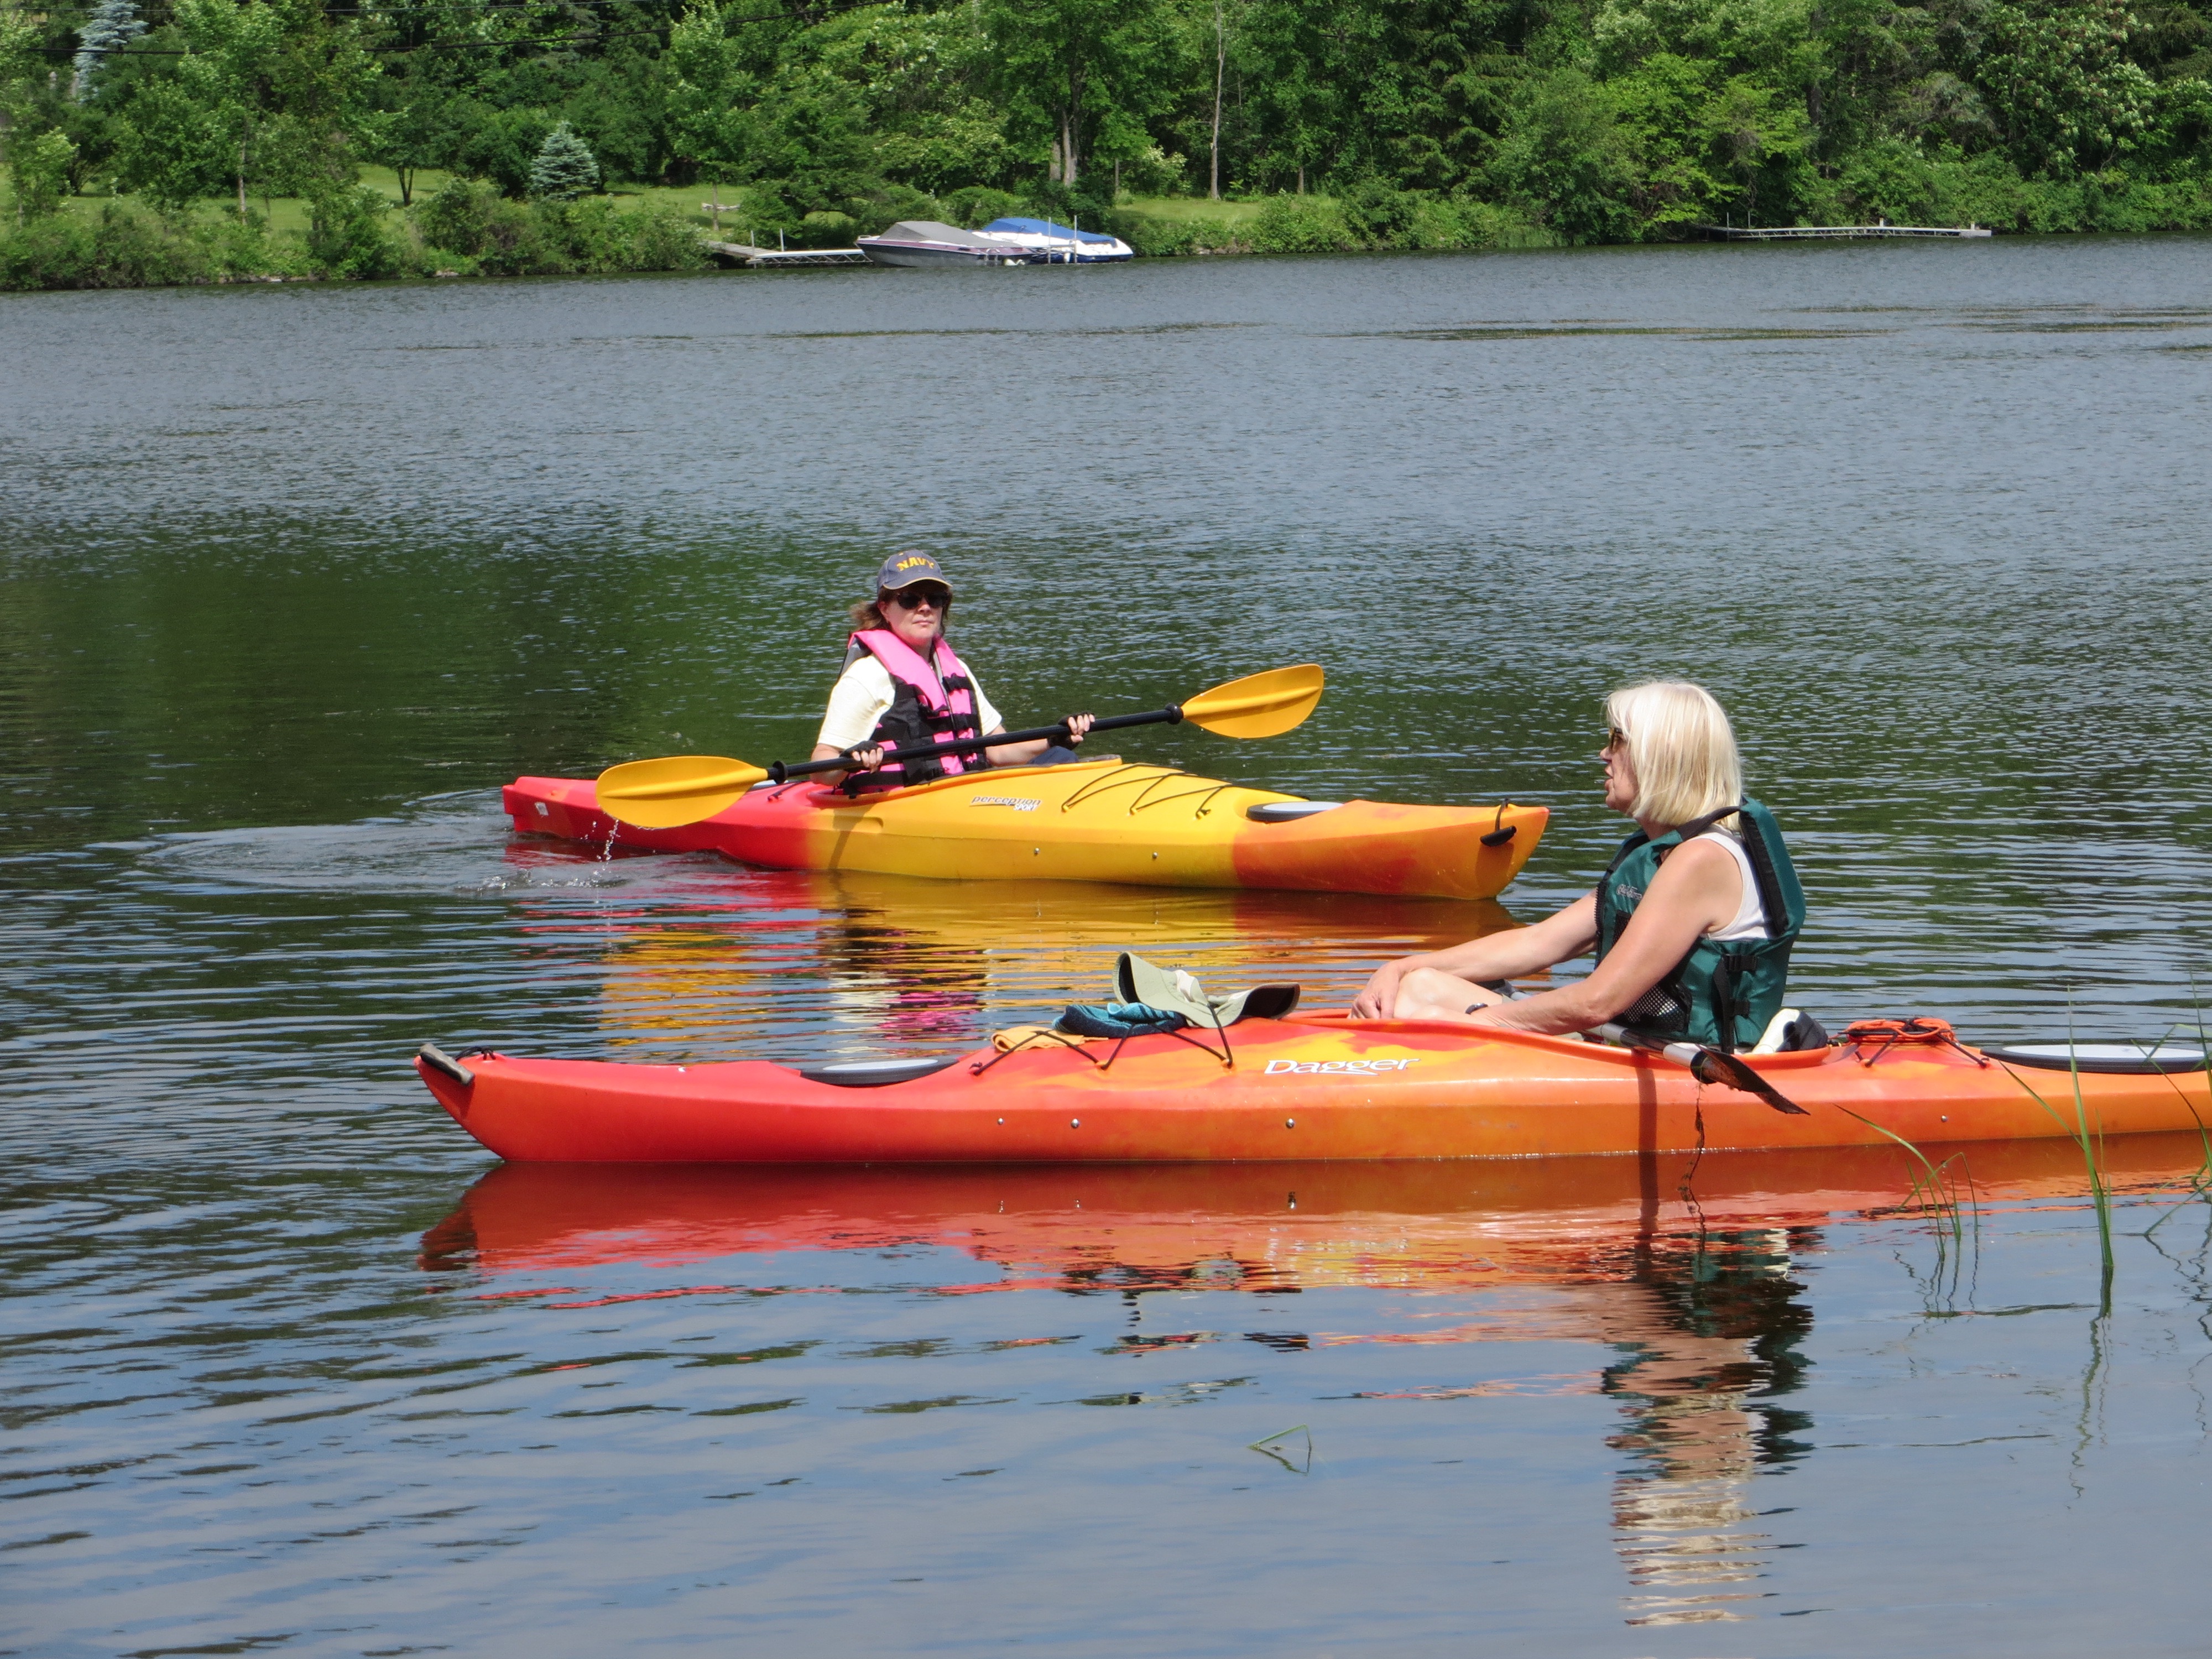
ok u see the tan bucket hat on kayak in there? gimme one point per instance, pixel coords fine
(1171, 990)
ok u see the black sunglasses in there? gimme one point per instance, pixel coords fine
(912, 598)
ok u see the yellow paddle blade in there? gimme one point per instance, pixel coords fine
(676, 789)
(1259, 705)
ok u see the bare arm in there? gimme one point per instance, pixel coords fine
(867, 758)
(1021, 754)
(1560, 937)
(1697, 890)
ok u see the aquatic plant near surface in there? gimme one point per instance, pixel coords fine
(2200, 1184)
(2091, 1142)
(1948, 1199)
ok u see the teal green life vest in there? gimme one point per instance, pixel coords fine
(1723, 994)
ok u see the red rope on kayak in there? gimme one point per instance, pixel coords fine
(1887, 1034)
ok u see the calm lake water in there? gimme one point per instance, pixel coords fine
(292, 580)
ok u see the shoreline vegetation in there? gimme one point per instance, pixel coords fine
(149, 142)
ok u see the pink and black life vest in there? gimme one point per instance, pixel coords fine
(931, 699)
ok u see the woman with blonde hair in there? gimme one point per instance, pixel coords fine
(1693, 922)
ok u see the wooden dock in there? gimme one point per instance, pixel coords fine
(739, 253)
(1836, 233)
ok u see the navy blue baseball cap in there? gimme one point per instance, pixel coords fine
(905, 569)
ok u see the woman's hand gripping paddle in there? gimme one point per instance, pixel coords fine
(680, 789)
(1707, 1065)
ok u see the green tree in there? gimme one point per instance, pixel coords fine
(921, 83)
(174, 148)
(1076, 75)
(2059, 81)
(346, 235)
(421, 132)
(565, 168)
(227, 74)
(708, 88)
(1564, 157)
(38, 167)
(21, 40)
(281, 93)
(809, 146)
(1297, 96)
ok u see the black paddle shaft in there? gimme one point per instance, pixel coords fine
(1171, 715)
(1709, 1065)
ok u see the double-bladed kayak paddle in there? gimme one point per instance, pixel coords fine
(680, 789)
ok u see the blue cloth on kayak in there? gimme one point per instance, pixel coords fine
(1119, 1019)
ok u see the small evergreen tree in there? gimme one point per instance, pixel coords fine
(565, 167)
(111, 25)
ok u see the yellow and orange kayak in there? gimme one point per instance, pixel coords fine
(1091, 821)
(1310, 1087)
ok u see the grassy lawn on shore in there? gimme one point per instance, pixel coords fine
(1233, 214)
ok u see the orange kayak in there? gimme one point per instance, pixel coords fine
(1311, 1087)
(1094, 821)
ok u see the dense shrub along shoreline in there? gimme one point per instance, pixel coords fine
(468, 229)
(139, 135)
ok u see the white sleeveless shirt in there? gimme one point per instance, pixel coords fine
(1750, 919)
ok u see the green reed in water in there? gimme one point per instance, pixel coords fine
(1946, 1197)
(2091, 1143)
(2200, 1184)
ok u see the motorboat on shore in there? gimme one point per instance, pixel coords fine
(926, 242)
(1058, 244)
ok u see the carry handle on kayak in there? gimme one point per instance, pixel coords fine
(1707, 1065)
(439, 1060)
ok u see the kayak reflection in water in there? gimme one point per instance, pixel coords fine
(902, 685)
(1693, 922)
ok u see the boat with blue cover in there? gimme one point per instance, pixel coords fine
(1058, 244)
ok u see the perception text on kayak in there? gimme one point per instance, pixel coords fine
(1338, 1067)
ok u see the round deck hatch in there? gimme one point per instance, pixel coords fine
(2127, 1059)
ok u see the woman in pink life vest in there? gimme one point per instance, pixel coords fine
(902, 685)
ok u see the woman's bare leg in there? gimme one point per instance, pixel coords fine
(1430, 993)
